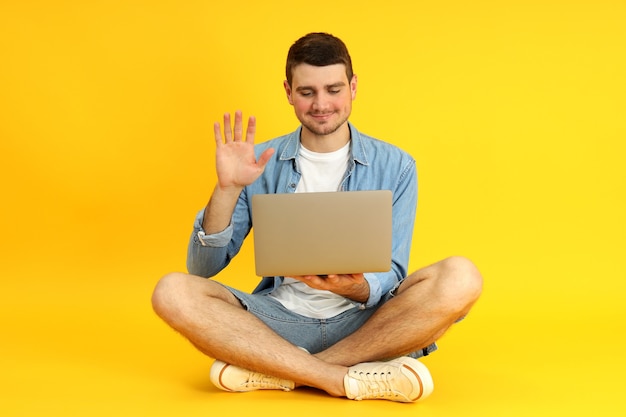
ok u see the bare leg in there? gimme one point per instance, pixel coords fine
(427, 303)
(214, 321)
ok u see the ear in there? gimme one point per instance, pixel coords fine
(353, 84)
(288, 91)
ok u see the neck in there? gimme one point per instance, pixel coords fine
(325, 143)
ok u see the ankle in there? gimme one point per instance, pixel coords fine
(336, 386)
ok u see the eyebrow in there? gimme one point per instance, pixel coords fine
(334, 85)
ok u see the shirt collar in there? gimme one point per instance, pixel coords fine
(357, 148)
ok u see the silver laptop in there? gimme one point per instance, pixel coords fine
(322, 233)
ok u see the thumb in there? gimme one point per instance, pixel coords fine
(264, 158)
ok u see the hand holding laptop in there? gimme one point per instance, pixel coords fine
(352, 286)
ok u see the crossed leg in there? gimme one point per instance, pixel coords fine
(427, 303)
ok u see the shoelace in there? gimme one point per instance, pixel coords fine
(258, 380)
(377, 385)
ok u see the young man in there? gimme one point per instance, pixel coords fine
(356, 336)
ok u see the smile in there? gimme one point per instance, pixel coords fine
(323, 116)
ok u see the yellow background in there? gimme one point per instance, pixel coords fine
(514, 111)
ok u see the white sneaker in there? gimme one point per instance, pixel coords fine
(403, 379)
(232, 378)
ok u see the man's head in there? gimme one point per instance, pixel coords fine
(320, 86)
(318, 49)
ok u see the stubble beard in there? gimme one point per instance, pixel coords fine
(325, 128)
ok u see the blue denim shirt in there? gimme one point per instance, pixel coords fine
(374, 165)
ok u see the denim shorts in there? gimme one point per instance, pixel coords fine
(315, 335)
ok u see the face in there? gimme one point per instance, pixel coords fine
(321, 97)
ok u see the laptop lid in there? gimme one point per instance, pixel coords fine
(322, 233)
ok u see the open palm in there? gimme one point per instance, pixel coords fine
(236, 163)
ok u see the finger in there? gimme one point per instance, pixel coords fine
(217, 132)
(238, 126)
(304, 278)
(332, 278)
(228, 133)
(251, 130)
(312, 281)
(265, 157)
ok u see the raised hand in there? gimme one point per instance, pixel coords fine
(236, 163)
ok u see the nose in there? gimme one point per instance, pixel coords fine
(321, 102)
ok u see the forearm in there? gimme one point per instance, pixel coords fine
(360, 293)
(209, 253)
(219, 210)
(205, 261)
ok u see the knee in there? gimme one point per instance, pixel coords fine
(166, 294)
(463, 281)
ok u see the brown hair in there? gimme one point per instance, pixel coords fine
(318, 49)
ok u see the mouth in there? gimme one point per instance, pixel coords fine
(321, 116)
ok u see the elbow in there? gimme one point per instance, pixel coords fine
(204, 271)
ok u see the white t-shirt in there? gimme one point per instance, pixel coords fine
(321, 172)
